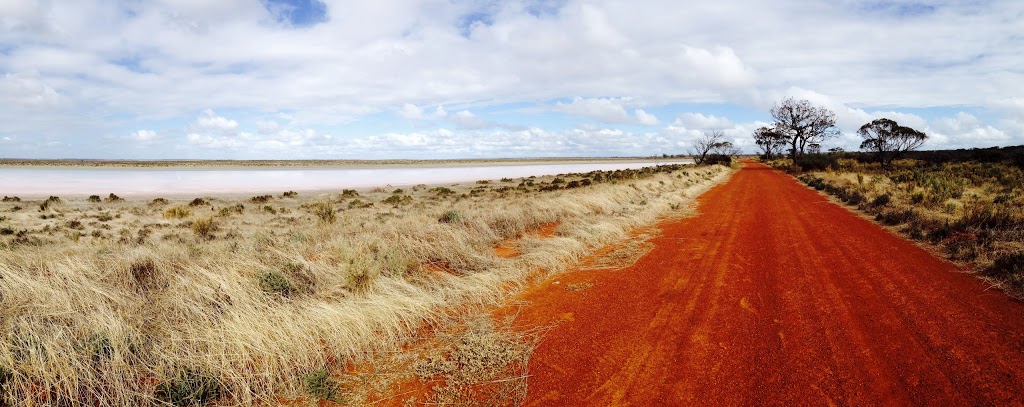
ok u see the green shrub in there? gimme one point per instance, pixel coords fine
(198, 202)
(261, 199)
(442, 191)
(349, 193)
(189, 388)
(450, 217)
(94, 198)
(276, 282)
(236, 209)
(397, 200)
(319, 384)
(268, 208)
(324, 211)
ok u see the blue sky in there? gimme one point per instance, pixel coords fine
(296, 79)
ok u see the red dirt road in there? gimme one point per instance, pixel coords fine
(773, 295)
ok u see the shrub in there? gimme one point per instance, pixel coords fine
(6, 230)
(74, 224)
(1006, 266)
(261, 199)
(52, 200)
(159, 201)
(93, 198)
(721, 159)
(881, 200)
(290, 194)
(237, 209)
(319, 384)
(397, 200)
(114, 198)
(349, 193)
(11, 199)
(177, 212)
(442, 191)
(818, 162)
(198, 202)
(268, 208)
(450, 217)
(189, 388)
(325, 211)
(204, 228)
(275, 282)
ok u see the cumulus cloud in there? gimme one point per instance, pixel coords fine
(210, 120)
(152, 62)
(143, 135)
(464, 119)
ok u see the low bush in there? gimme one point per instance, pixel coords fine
(114, 198)
(94, 198)
(349, 193)
(324, 211)
(198, 202)
(319, 384)
(177, 212)
(204, 228)
(261, 199)
(189, 388)
(276, 283)
(450, 217)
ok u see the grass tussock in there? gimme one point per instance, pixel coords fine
(158, 305)
(973, 210)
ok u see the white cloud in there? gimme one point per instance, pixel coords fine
(143, 135)
(700, 121)
(608, 110)
(157, 61)
(465, 119)
(210, 120)
(645, 118)
(411, 112)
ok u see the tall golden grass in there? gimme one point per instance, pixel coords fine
(246, 311)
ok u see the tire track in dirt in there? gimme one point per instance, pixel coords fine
(773, 295)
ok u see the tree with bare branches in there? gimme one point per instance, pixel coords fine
(888, 140)
(710, 143)
(803, 124)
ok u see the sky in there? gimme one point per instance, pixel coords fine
(390, 79)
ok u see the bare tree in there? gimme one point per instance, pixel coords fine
(706, 144)
(802, 124)
(888, 140)
(770, 141)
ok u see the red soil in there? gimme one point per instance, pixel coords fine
(773, 295)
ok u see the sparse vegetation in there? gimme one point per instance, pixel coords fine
(177, 212)
(147, 307)
(973, 210)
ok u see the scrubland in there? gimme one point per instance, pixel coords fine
(264, 299)
(972, 210)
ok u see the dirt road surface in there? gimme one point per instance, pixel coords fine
(773, 295)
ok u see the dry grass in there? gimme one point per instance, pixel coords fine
(133, 306)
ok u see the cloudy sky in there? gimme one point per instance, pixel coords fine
(296, 79)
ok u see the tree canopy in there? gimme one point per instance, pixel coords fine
(803, 124)
(888, 140)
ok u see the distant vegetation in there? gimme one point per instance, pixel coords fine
(968, 202)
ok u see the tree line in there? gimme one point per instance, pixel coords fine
(801, 128)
